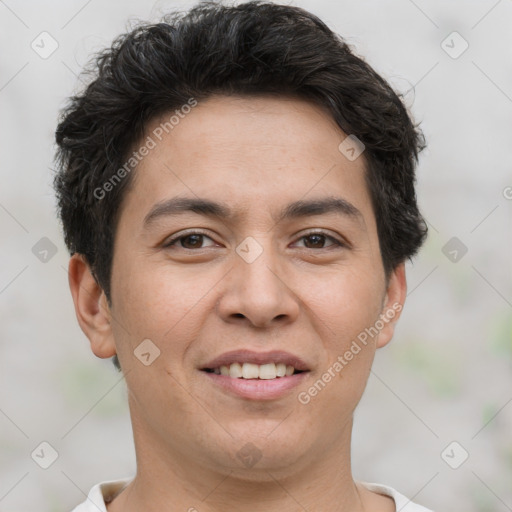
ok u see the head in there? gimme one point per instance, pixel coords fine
(249, 107)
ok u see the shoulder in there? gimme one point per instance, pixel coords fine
(101, 494)
(403, 504)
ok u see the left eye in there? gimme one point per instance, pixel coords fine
(192, 241)
(317, 238)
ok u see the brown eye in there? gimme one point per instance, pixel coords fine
(189, 241)
(317, 240)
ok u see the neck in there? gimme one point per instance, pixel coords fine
(317, 481)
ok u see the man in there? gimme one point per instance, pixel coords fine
(237, 194)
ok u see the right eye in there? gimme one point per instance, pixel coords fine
(193, 238)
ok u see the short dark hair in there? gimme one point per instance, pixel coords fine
(249, 49)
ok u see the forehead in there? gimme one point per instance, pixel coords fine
(247, 151)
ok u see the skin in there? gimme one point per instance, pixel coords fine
(196, 302)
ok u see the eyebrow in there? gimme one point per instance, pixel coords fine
(209, 208)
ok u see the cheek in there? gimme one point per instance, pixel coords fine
(344, 312)
(344, 302)
(160, 305)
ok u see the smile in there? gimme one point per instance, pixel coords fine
(252, 387)
(267, 371)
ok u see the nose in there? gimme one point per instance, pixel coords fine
(259, 292)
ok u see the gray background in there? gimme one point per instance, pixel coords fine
(446, 375)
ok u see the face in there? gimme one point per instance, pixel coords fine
(305, 281)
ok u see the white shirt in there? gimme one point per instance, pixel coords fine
(104, 492)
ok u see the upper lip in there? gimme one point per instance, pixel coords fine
(249, 356)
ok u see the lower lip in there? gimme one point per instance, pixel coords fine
(257, 389)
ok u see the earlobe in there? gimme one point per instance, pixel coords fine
(393, 304)
(91, 307)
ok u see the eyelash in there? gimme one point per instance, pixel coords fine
(171, 242)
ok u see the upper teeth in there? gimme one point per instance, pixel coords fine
(255, 371)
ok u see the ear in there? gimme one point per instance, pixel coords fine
(91, 307)
(393, 304)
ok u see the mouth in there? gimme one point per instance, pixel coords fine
(251, 371)
(253, 375)
(251, 381)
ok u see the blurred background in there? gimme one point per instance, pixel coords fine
(436, 419)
